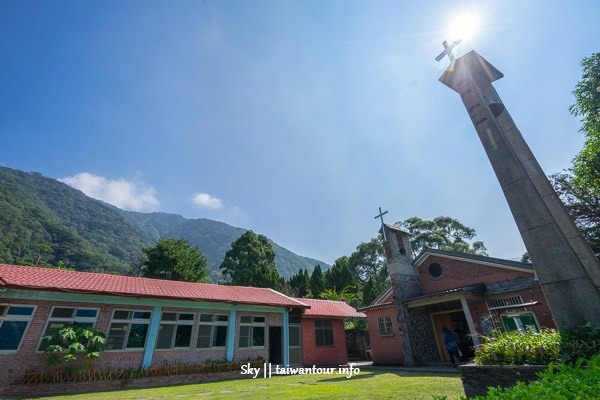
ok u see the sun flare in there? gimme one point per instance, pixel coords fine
(464, 26)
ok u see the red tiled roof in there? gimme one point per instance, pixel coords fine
(19, 277)
(330, 308)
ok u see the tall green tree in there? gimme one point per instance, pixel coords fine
(586, 165)
(317, 281)
(368, 261)
(443, 233)
(339, 275)
(251, 262)
(370, 291)
(176, 260)
(582, 203)
(300, 283)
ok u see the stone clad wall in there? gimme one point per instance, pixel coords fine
(477, 378)
(424, 345)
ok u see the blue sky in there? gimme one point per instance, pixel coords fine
(296, 119)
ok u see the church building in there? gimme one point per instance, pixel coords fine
(469, 294)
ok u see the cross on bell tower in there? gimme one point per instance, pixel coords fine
(448, 51)
(381, 214)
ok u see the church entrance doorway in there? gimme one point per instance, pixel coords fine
(456, 321)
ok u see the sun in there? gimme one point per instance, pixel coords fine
(464, 26)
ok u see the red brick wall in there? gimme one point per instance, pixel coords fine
(384, 349)
(314, 355)
(458, 273)
(541, 310)
(28, 359)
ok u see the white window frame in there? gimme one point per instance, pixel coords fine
(253, 324)
(215, 323)
(67, 320)
(130, 321)
(386, 327)
(177, 322)
(4, 316)
(516, 317)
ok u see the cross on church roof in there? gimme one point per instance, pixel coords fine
(448, 51)
(381, 214)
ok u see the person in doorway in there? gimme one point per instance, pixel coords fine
(451, 346)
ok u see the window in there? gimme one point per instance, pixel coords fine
(385, 326)
(519, 322)
(295, 344)
(212, 331)
(323, 333)
(14, 320)
(63, 316)
(435, 270)
(175, 330)
(128, 330)
(252, 331)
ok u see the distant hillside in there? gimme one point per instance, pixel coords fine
(87, 234)
(214, 239)
(82, 232)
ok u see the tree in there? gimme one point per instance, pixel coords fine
(317, 281)
(176, 260)
(369, 268)
(443, 233)
(251, 262)
(368, 261)
(370, 291)
(347, 295)
(582, 203)
(300, 283)
(586, 165)
(339, 275)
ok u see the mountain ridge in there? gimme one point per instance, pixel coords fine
(88, 234)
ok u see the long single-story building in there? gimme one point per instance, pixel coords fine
(151, 322)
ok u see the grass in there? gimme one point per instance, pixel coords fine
(378, 384)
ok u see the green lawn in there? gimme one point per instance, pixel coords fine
(378, 384)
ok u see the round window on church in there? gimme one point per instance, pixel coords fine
(435, 270)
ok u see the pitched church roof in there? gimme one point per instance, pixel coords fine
(483, 260)
(38, 278)
(380, 300)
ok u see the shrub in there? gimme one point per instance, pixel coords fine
(72, 341)
(582, 342)
(558, 382)
(514, 348)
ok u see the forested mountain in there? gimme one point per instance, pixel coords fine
(45, 221)
(214, 239)
(81, 232)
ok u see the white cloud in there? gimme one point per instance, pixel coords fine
(127, 195)
(207, 201)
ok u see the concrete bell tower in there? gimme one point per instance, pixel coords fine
(405, 284)
(568, 270)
